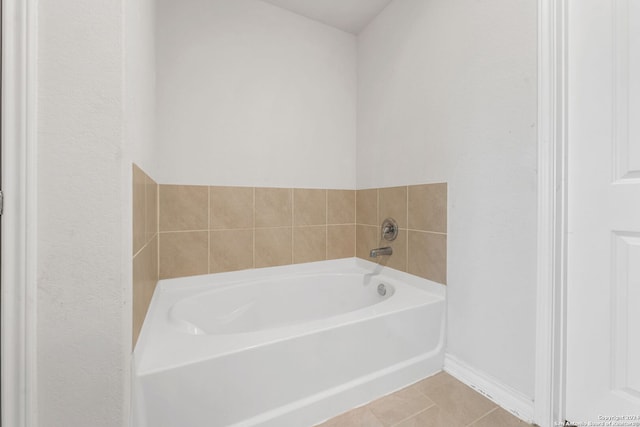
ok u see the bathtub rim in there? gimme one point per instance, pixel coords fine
(329, 266)
(194, 284)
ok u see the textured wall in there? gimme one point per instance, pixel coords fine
(140, 83)
(447, 93)
(84, 217)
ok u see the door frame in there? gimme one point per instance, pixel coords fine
(551, 313)
(19, 240)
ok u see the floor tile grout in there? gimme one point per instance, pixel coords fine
(411, 416)
(481, 417)
(438, 411)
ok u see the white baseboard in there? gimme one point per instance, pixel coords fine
(509, 399)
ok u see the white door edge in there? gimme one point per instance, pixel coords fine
(552, 214)
(19, 242)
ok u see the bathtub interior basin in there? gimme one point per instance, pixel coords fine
(284, 346)
(277, 302)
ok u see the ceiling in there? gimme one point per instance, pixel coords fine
(348, 15)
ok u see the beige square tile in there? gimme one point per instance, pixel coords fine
(153, 268)
(341, 241)
(453, 397)
(393, 204)
(398, 259)
(367, 238)
(309, 244)
(400, 405)
(367, 207)
(151, 222)
(428, 207)
(231, 207)
(341, 207)
(432, 417)
(427, 256)
(184, 254)
(184, 208)
(309, 207)
(273, 246)
(359, 417)
(499, 418)
(145, 278)
(139, 304)
(138, 212)
(231, 250)
(274, 207)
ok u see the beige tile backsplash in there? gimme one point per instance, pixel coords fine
(183, 230)
(428, 255)
(341, 207)
(151, 208)
(310, 207)
(367, 238)
(421, 214)
(341, 240)
(248, 227)
(273, 207)
(231, 208)
(184, 208)
(367, 207)
(230, 250)
(139, 209)
(428, 207)
(184, 253)
(392, 203)
(273, 246)
(144, 245)
(309, 244)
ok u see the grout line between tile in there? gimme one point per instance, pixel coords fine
(406, 243)
(326, 220)
(411, 416)
(423, 231)
(481, 417)
(293, 216)
(184, 231)
(209, 230)
(355, 218)
(144, 225)
(231, 229)
(144, 246)
(254, 227)
(377, 206)
(158, 229)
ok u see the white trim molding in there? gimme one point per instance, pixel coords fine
(19, 220)
(508, 398)
(552, 213)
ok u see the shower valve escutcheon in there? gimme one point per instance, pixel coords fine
(389, 229)
(389, 232)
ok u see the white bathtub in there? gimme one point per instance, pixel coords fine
(283, 346)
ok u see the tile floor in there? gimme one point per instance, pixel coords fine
(438, 401)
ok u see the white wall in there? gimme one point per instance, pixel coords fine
(252, 95)
(84, 233)
(140, 83)
(447, 92)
